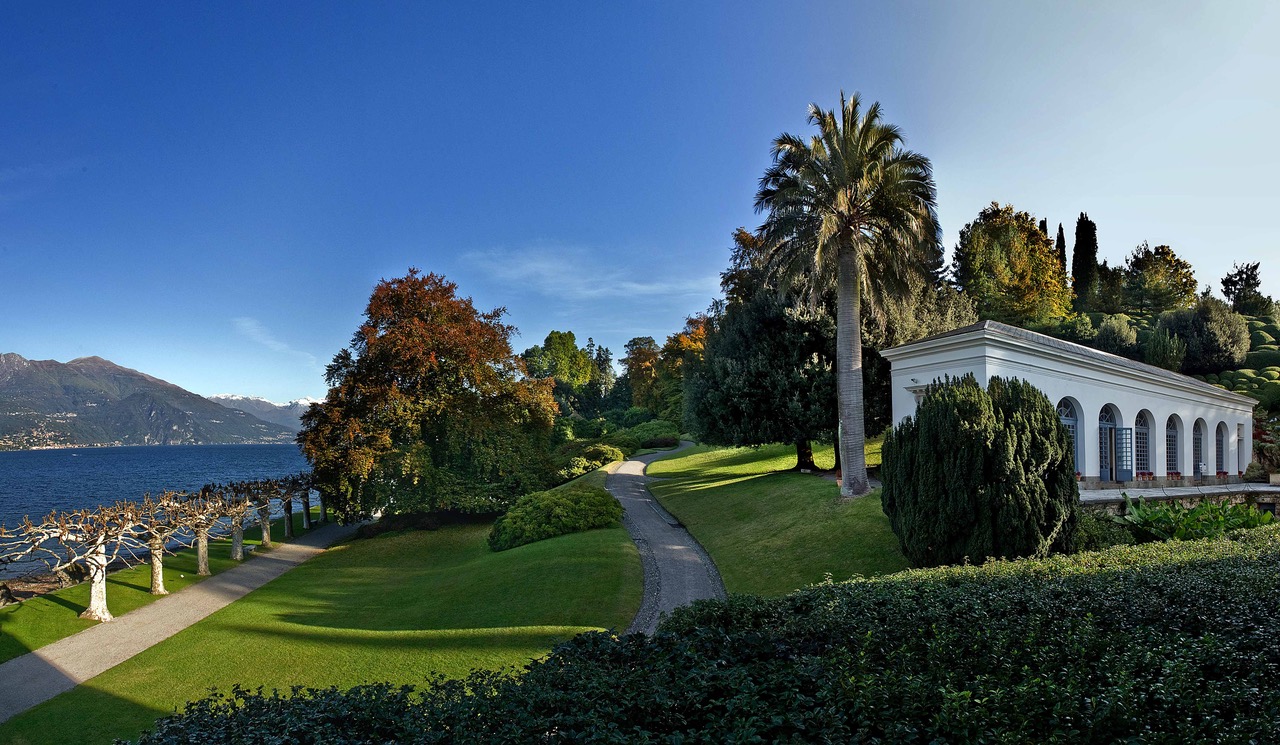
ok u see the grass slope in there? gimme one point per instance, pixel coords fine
(769, 531)
(399, 607)
(46, 619)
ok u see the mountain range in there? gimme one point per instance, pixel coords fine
(286, 414)
(92, 401)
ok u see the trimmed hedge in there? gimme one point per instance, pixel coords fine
(650, 432)
(1157, 643)
(547, 514)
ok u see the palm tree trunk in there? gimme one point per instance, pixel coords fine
(853, 437)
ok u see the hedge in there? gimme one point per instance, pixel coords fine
(1155, 643)
(547, 514)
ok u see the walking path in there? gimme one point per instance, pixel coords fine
(677, 571)
(1089, 496)
(38, 676)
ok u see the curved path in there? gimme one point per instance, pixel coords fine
(677, 571)
(38, 676)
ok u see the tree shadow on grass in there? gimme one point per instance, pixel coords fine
(82, 715)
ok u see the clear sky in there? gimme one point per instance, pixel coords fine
(207, 192)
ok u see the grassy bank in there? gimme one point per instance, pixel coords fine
(46, 619)
(770, 531)
(399, 607)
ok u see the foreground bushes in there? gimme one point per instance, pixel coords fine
(547, 514)
(1158, 643)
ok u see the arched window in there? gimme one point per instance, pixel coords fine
(1171, 445)
(1221, 456)
(1142, 441)
(1070, 420)
(1106, 444)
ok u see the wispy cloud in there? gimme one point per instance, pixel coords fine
(579, 275)
(253, 329)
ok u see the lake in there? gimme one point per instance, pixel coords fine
(35, 482)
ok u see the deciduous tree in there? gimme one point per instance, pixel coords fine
(428, 408)
(1009, 269)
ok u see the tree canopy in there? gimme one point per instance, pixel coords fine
(1157, 279)
(1010, 269)
(428, 408)
(1242, 286)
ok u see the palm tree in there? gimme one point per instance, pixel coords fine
(853, 208)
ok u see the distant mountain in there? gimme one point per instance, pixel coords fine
(286, 415)
(92, 401)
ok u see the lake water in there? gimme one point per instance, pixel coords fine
(35, 482)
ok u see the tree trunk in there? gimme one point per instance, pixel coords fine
(96, 563)
(804, 455)
(853, 437)
(156, 547)
(324, 509)
(202, 552)
(264, 522)
(288, 517)
(237, 539)
(306, 510)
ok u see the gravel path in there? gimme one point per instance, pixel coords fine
(677, 571)
(38, 676)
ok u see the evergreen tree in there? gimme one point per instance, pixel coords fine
(1164, 350)
(1044, 227)
(980, 473)
(1117, 335)
(1157, 279)
(1084, 262)
(1242, 288)
(1217, 338)
(1061, 246)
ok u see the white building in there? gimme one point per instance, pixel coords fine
(1130, 422)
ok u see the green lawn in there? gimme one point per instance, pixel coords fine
(48, 618)
(399, 607)
(770, 531)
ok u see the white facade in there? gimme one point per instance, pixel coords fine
(1130, 421)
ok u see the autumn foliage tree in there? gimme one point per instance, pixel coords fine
(429, 408)
(1010, 269)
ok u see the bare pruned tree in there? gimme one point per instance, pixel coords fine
(239, 506)
(159, 520)
(91, 537)
(204, 510)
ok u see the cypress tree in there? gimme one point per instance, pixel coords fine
(980, 473)
(1084, 261)
(1061, 246)
(1044, 227)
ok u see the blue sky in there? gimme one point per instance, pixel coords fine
(208, 192)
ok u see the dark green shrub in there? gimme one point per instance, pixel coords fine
(1262, 358)
(602, 454)
(635, 416)
(575, 467)
(623, 441)
(978, 474)
(1164, 350)
(1158, 643)
(1170, 521)
(541, 515)
(1097, 530)
(1256, 474)
(660, 443)
(653, 430)
(1117, 335)
(1216, 337)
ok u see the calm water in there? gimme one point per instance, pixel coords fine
(36, 482)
